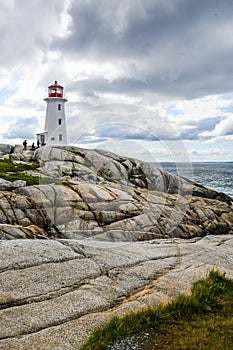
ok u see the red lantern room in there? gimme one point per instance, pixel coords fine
(55, 90)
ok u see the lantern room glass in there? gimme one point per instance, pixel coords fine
(55, 92)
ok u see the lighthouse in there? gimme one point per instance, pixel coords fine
(55, 119)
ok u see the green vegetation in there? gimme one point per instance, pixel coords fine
(202, 320)
(16, 171)
(7, 165)
(30, 180)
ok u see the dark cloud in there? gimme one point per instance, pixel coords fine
(135, 27)
(175, 48)
(102, 85)
(179, 48)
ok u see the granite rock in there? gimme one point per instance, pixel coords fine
(100, 235)
(57, 292)
(85, 193)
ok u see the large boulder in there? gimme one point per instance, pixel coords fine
(5, 148)
(5, 185)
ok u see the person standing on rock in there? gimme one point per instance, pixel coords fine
(25, 145)
(38, 143)
(33, 146)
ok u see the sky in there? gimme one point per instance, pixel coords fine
(145, 78)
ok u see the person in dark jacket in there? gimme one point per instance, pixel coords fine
(25, 145)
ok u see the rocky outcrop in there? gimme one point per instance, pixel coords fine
(92, 193)
(99, 235)
(54, 293)
(112, 212)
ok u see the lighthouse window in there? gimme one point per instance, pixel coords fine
(59, 121)
(60, 137)
(59, 107)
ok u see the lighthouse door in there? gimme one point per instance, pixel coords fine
(42, 139)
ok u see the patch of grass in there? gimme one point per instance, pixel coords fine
(202, 320)
(16, 171)
(7, 165)
(30, 180)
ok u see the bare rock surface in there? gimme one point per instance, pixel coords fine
(99, 235)
(55, 293)
(5, 149)
(92, 193)
(5, 185)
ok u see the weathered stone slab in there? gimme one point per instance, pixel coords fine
(18, 254)
(102, 279)
(39, 283)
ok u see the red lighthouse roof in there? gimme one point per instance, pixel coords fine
(55, 85)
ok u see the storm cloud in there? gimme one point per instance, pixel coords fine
(178, 48)
(173, 58)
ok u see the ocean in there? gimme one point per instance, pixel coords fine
(217, 176)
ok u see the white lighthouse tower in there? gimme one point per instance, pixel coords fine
(55, 119)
